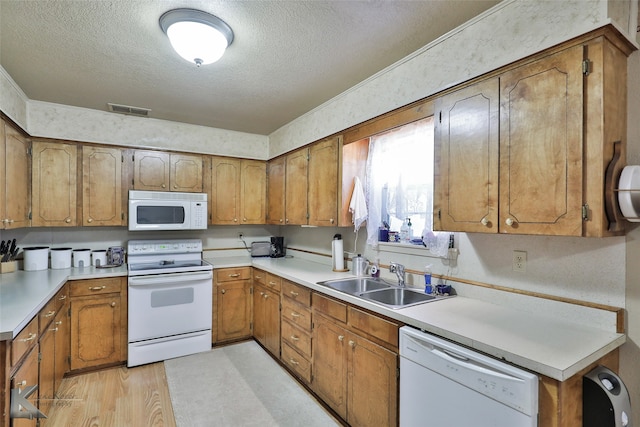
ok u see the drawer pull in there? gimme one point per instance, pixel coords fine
(340, 338)
(294, 314)
(266, 295)
(272, 283)
(294, 338)
(59, 322)
(234, 275)
(97, 288)
(113, 304)
(257, 277)
(31, 337)
(54, 329)
(352, 344)
(295, 294)
(49, 314)
(261, 294)
(62, 298)
(293, 362)
(21, 383)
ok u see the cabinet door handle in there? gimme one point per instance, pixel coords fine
(294, 338)
(272, 283)
(113, 304)
(222, 291)
(352, 344)
(293, 362)
(163, 186)
(244, 219)
(21, 383)
(331, 220)
(234, 275)
(294, 314)
(54, 330)
(295, 294)
(509, 222)
(340, 338)
(257, 277)
(280, 219)
(59, 322)
(175, 187)
(261, 294)
(49, 314)
(31, 337)
(68, 220)
(97, 288)
(484, 221)
(62, 298)
(235, 219)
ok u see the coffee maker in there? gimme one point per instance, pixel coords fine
(277, 247)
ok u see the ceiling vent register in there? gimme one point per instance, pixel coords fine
(129, 110)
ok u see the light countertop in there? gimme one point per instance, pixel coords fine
(555, 348)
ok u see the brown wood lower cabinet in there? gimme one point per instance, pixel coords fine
(26, 375)
(98, 322)
(232, 304)
(266, 318)
(355, 373)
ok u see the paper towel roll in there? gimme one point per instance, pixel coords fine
(337, 253)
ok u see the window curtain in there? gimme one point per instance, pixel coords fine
(399, 183)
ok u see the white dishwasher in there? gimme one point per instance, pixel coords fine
(446, 385)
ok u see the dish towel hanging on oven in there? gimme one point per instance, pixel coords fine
(358, 204)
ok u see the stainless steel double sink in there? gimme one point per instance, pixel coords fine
(380, 292)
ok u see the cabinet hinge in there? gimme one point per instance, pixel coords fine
(133, 157)
(122, 216)
(585, 212)
(39, 357)
(586, 67)
(30, 215)
(398, 373)
(439, 214)
(440, 117)
(122, 158)
(29, 151)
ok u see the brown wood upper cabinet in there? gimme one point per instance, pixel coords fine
(161, 171)
(54, 184)
(15, 180)
(237, 191)
(542, 125)
(103, 201)
(310, 186)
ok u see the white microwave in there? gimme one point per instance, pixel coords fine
(164, 210)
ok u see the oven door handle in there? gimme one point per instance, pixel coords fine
(161, 279)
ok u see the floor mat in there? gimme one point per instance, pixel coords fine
(239, 385)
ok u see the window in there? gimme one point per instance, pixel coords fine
(400, 179)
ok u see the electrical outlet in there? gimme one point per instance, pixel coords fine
(519, 261)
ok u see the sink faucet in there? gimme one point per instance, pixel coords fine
(394, 267)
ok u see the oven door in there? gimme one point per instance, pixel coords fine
(169, 304)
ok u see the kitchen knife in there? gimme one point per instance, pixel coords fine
(2, 248)
(13, 246)
(14, 254)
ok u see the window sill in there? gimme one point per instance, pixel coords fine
(404, 248)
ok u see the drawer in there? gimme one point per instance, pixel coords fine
(62, 297)
(296, 338)
(27, 375)
(273, 282)
(330, 307)
(298, 364)
(296, 314)
(47, 314)
(24, 341)
(260, 276)
(373, 325)
(107, 285)
(232, 274)
(296, 292)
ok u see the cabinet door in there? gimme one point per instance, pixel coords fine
(46, 376)
(253, 191)
(27, 375)
(15, 184)
(330, 364)
(275, 191)
(54, 191)
(62, 346)
(186, 173)
(466, 141)
(259, 325)
(151, 170)
(372, 384)
(95, 331)
(541, 125)
(225, 191)
(266, 319)
(323, 183)
(102, 202)
(233, 308)
(296, 179)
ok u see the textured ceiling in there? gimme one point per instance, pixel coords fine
(287, 56)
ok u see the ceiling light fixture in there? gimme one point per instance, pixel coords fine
(197, 36)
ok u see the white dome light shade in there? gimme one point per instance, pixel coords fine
(196, 36)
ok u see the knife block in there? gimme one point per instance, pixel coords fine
(8, 267)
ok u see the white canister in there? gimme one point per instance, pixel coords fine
(99, 257)
(81, 257)
(60, 258)
(36, 258)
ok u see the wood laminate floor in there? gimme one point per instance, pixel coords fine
(115, 397)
